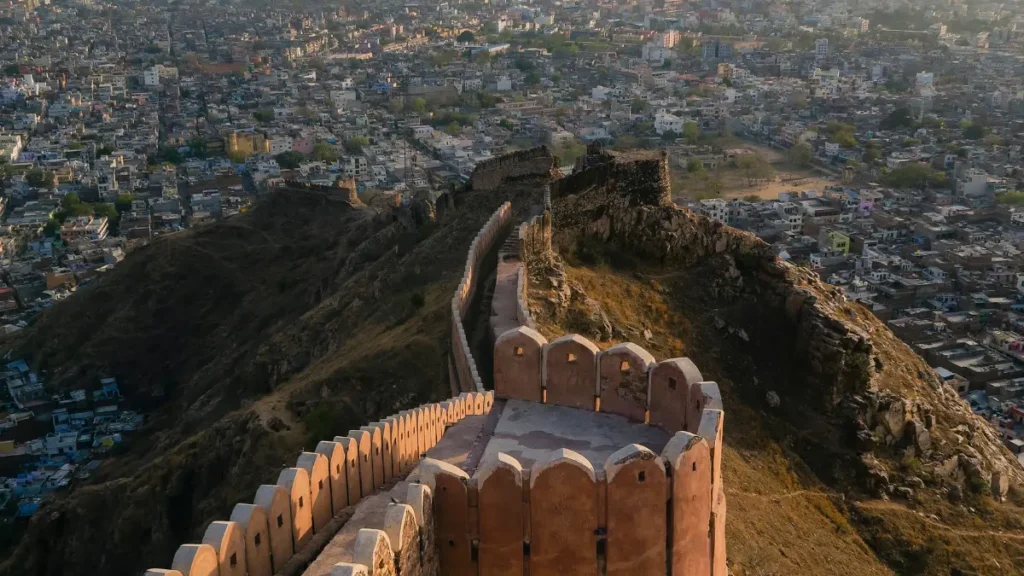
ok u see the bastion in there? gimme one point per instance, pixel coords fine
(566, 460)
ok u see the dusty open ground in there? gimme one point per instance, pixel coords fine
(787, 178)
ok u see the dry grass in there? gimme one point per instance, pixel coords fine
(790, 510)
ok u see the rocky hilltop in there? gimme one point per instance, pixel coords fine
(246, 339)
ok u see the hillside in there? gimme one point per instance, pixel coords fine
(245, 340)
(844, 455)
(241, 341)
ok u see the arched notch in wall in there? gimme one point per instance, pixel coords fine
(228, 541)
(296, 482)
(669, 397)
(689, 458)
(636, 512)
(352, 474)
(276, 504)
(256, 533)
(518, 359)
(501, 516)
(335, 454)
(623, 380)
(318, 471)
(563, 515)
(570, 372)
(195, 560)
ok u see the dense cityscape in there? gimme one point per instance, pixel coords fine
(878, 144)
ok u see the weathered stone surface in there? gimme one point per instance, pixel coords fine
(1000, 485)
(276, 504)
(228, 541)
(296, 482)
(335, 454)
(421, 499)
(517, 364)
(500, 508)
(450, 488)
(195, 560)
(376, 455)
(689, 458)
(563, 516)
(718, 557)
(256, 533)
(349, 569)
(318, 470)
(400, 526)
(711, 428)
(637, 492)
(364, 451)
(373, 550)
(570, 372)
(353, 478)
(622, 380)
(670, 392)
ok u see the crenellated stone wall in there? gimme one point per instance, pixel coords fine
(625, 380)
(493, 231)
(289, 521)
(488, 175)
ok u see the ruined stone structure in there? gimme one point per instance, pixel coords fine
(580, 461)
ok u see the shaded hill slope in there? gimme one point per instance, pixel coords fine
(844, 453)
(244, 341)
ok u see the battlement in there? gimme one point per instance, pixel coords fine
(489, 174)
(493, 232)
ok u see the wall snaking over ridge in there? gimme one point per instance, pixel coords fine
(493, 231)
(290, 521)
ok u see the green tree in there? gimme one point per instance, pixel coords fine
(466, 37)
(532, 78)
(171, 154)
(40, 179)
(974, 131)
(569, 151)
(123, 203)
(695, 166)
(453, 128)
(12, 70)
(898, 118)
(915, 175)
(263, 115)
(801, 155)
(324, 152)
(289, 160)
(691, 132)
(419, 105)
(198, 147)
(487, 100)
(355, 144)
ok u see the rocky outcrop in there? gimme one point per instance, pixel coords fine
(887, 397)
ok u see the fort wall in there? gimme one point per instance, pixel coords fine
(289, 521)
(489, 174)
(493, 232)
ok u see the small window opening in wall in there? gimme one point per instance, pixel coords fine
(570, 358)
(320, 484)
(376, 450)
(366, 457)
(451, 543)
(234, 560)
(280, 520)
(671, 383)
(518, 350)
(625, 368)
(301, 503)
(641, 477)
(256, 540)
(338, 468)
(694, 466)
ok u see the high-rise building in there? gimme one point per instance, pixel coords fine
(821, 48)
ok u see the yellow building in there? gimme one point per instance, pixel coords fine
(839, 241)
(246, 143)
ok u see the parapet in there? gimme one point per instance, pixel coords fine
(489, 174)
(492, 232)
(309, 502)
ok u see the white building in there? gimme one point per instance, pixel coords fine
(974, 183)
(714, 208)
(665, 122)
(821, 48)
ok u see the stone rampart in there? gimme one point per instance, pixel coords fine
(289, 521)
(625, 380)
(489, 174)
(493, 232)
(638, 513)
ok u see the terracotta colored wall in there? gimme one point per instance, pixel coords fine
(263, 536)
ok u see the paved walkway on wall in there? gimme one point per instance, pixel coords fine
(454, 447)
(528, 431)
(504, 306)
